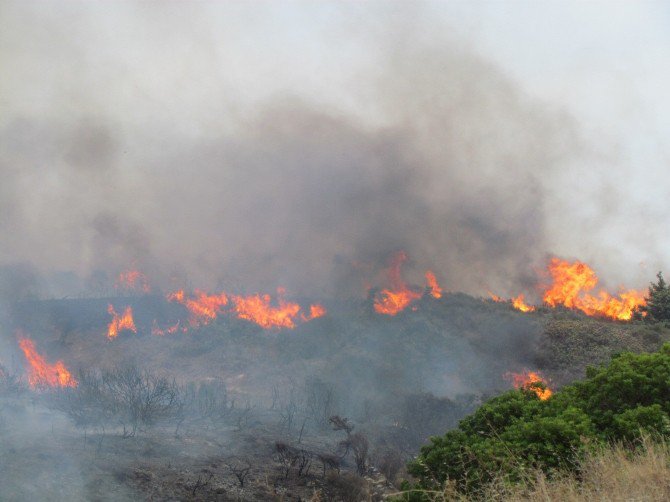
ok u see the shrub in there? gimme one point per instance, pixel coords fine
(128, 397)
(516, 433)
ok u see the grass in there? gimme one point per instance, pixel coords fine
(611, 474)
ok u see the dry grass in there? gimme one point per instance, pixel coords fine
(613, 474)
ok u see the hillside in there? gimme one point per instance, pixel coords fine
(398, 379)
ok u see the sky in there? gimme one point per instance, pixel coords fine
(169, 77)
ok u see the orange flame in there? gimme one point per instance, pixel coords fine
(532, 381)
(435, 289)
(496, 298)
(315, 311)
(519, 304)
(258, 309)
(204, 308)
(120, 323)
(392, 301)
(43, 374)
(570, 287)
(132, 280)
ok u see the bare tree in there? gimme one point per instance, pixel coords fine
(286, 455)
(328, 461)
(320, 401)
(357, 443)
(240, 469)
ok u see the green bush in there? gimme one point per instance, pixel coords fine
(516, 433)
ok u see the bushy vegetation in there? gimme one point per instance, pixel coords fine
(516, 433)
(658, 301)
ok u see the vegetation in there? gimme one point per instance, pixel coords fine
(658, 301)
(515, 434)
(608, 473)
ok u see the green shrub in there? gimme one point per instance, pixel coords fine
(516, 433)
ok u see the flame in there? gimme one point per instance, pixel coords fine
(435, 289)
(258, 308)
(315, 311)
(132, 280)
(42, 374)
(496, 298)
(572, 283)
(156, 330)
(519, 304)
(392, 301)
(532, 381)
(204, 308)
(120, 323)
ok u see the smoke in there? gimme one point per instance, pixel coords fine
(116, 153)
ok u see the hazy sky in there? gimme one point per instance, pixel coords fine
(145, 83)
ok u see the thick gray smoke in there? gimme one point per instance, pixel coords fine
(105, 165)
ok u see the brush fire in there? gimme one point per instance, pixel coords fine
(259, 309)
(571, 285)
(532, 381)
(120, 322)
(247, 245)
(396, 298)
(42, 374)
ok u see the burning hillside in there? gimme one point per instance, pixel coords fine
(399, 295)
(571, 286)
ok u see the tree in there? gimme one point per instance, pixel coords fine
(658, 301)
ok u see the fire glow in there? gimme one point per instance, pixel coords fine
(132, 280)
(531, 381)
(571, 286)
(120, 322)
(42, 374)
(572, 283)
(259, 309)
(396, 298)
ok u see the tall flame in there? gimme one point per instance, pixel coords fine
(392, 301)
(532, 381)
(120, 322)
(43, 374)
(132, 280)
(571, 283)
(397, 298)
(435, 289)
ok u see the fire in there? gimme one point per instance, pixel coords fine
(260, 309)
(120, 322)
(496, 298)
(315, 311)
(132, 280)
(435, 289)
(572, 283)
(519, 304)
(203, 308)
(43, 374)
(157, 331)
(399, 296)
(532, 381)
